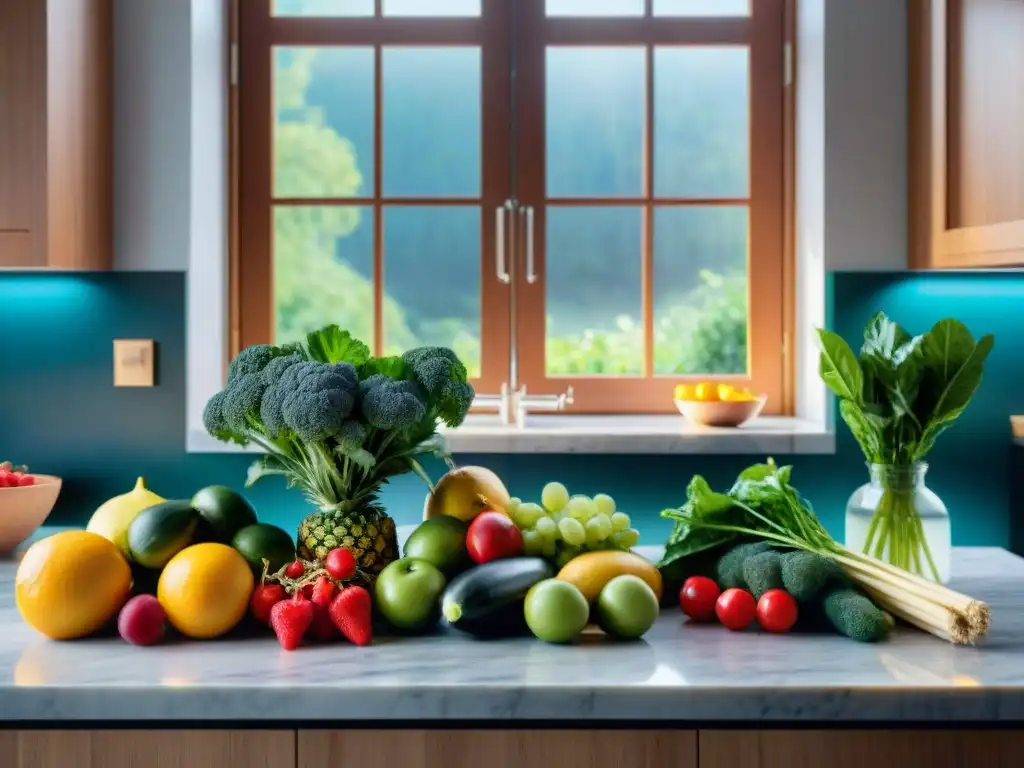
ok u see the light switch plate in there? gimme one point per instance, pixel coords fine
(134, 362)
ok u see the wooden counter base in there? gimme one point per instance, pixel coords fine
(510, 749)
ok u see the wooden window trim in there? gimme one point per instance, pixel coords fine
(771, 262)
(935, 29)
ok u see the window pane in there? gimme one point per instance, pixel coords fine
(432, 121)
(431, 7)
(593, 291)
(432, 280)
(595, 122)
(701, 122)
(701, 7)
(323, 7)
(700, 290)
(323, 270)
(323, 122)
(595, 7)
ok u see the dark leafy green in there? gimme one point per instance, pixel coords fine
(903, 391)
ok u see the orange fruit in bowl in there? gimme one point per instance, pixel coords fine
(683, 392)
(70, 584)
(706, 392)
(726, 391)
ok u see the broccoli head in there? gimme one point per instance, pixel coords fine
(442, 376)
(352, 435)
(241, 404)
(252, 360)
(272, 405)
(325, 396)
(213, 419)
(390, 404)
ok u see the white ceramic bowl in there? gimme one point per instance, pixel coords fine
(24, 509)
(721, 413)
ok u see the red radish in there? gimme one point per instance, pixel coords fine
(295, 570)
(264, 597)
(340, 564)
(491, 536)
(142, 621)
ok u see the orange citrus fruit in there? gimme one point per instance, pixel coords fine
(706, 392)
(205, 590)
(70, 584)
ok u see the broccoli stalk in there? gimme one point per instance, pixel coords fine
(334, 420)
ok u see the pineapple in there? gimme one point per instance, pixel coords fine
(368, 534)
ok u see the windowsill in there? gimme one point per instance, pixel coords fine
(562, 433)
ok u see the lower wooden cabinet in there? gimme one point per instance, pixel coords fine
(147, 749)
(857, 749)
(511, 749)
(497, 749)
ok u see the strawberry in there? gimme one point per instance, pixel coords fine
(4, 479)
(340, 564)
(265, 597)
(323, 591)
(290, 620)
(323, 627)
(351, 613)
(295, 570)
(27, 480)
(307, 590)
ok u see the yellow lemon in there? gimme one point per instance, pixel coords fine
(726, 391)
(683, 392)
(70, 584)
(112, 519)
(707, 392)
(205, 590)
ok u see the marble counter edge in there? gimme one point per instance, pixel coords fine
(699, 704)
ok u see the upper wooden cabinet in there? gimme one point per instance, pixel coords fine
(967, 133)
(56, 133)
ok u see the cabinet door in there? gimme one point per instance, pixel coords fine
(497, 749)
(22, 117)
(147, 749)
(967, 131)
(856, 749)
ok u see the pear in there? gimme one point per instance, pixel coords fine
(112, 519)
(465, 492)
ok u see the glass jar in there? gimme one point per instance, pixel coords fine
(896, 518)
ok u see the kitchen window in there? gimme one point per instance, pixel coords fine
(569, 193)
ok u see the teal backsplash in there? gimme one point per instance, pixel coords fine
(60, 413)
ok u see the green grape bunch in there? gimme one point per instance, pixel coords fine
(563, 526)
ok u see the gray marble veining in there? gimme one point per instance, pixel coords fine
(679, 673)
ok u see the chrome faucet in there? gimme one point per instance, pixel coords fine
(512, 405)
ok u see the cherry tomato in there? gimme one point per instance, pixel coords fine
(736, 609)
(776, 611)
(697, 598)
(340, 564)
(295, 569)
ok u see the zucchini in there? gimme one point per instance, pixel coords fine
(487, 600)
(159, 533)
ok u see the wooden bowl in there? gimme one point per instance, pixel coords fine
(24, 509)
(721, 413)
(1017, 426)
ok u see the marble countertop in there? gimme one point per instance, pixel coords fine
(679, 673)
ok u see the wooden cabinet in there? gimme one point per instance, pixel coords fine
(966, 133)
(147, 749)
(497, 749)
(855, 749)
(56, 133)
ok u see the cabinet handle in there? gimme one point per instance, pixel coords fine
(531, 272)
(500, 240)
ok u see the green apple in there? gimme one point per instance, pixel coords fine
(440, 541)
(408, 593)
